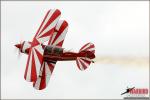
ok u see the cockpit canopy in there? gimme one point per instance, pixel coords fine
(53, 50)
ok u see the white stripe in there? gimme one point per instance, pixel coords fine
(59, 24)
(81, 67)
(91, 49)
(48, 73)
(43, 39)
(38, 81)
(87, 65)
(86, 46)
(46, 20)
(26, 46)
(61, 37)
(85, 58)
(28, 77)
(37, 63)
(41, 71)
(50, 39)
(57, 28)
(39, 49)
(53, 36)
(52, 25)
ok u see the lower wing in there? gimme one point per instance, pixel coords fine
(44, 76)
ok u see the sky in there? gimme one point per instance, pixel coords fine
(118, 29)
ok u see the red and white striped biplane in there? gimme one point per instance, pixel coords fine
(42, 58)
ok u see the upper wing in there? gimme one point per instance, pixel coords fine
(35, 57)
(47, 26)
(57, 38)
(45, 74)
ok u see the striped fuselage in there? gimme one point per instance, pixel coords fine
(54, 53)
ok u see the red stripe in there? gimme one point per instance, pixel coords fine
(22, 46)
(33, 69)
(60, 43)
(27, 50)
(93, 51)
(25, 75)
(91, 46)
(84, 46)
(50, 40)
(43, 79)
(48, 33)
(52, 18)
(84, 66)
(78, 64)
(34, 42)
(34, 83)
(51, 67)
(62, 28)
(86, 61)
(40, 56)
(42, 23)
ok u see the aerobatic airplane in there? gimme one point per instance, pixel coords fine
(42, 58)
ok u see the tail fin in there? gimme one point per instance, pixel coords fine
(84, 62)
(88, 47)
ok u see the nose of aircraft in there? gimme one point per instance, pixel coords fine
(18, 46)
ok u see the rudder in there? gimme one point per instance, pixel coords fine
(84, 62)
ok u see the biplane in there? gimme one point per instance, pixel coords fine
(43, 57)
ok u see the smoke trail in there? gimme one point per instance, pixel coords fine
(123, 60)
